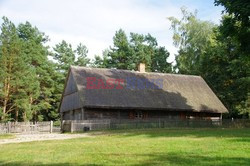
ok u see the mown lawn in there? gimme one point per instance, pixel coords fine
(137, 147)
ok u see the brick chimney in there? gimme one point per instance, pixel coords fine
(141, 67)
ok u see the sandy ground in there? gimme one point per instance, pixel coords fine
(41, 137)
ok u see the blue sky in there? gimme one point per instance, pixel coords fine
(94, 22)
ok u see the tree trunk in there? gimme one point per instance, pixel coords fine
(30, 104)
(16, 116)
(24, 116)
(6, 97)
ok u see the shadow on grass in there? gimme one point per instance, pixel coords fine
(154, 159)
(243, 134)
(43, 164)
(185, 159)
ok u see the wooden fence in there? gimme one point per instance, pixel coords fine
(84, 125)
(27, 127)
(112, 124)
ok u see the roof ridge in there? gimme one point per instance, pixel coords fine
(137, 72)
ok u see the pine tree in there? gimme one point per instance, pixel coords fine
(41, 84)
(127, 53)
(12, 69)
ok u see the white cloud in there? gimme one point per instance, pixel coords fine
(94, 22)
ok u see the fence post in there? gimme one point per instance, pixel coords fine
(109, 123)
(62, 125)
(71, 126)
(51, 126)
(9, 127)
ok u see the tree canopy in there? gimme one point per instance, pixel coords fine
(217, 55)
(127, 53)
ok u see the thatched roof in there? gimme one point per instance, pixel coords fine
(179, 92)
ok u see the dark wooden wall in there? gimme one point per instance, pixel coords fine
(144, 114)
(133, 114)
(72, 115)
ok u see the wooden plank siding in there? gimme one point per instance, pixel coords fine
(95, 113)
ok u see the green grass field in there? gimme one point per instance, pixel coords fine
(137, 147)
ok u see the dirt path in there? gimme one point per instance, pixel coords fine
(41, 137)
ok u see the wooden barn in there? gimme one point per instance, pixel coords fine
(94, 93)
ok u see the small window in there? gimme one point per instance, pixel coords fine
(138, 115)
